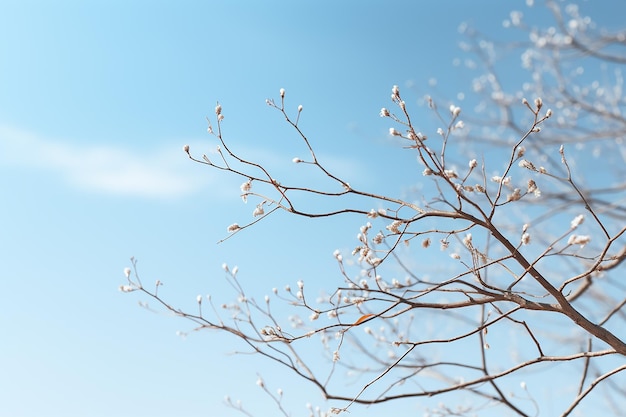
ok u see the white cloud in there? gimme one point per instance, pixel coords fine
(159, 173)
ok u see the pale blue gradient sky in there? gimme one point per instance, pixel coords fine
(97, 99)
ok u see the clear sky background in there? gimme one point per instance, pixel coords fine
(97, 99)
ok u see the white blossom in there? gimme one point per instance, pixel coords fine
(473, 164)
(516, 195)
(378, 239)
(218, 109)
(126, 288)
(282, 93)
(527, 164)
(393, 227)
(467, 240)
(384, 112)
(127, 272)
(394, 132)
(233, 228)
(450, 173)
(525, 239)
(258, 211)
(577, 221)
(300, 108)
(581, 240)
(296, 160)
(499, 179)
(186, 149)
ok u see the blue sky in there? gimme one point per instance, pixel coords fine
(97, 99)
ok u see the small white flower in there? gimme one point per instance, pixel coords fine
(218, 109)
(395, 90)
(394, 132)
(296, 160)
(455, 256)
(126, 288)
(282, 93)
(527, 164)
(467, 240)
(393, 227)
(225, 267)
(260, 382)
(577, 221)
(186, 149)
(538, 102)
(525, 239)
(473, 164)
(384, 112)
(199, 299)
(246, 186)
(233, 228)
(374, 261)
(127, 272)
(258, 211)
(372, 214)
(299, 108)
(455, 110)
(314, 316)
(549, 113)
(579, 240)
(450, 173)
(427, 172)
(515, 196)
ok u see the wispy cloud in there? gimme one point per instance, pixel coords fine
(157, 173)
(163, 171)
